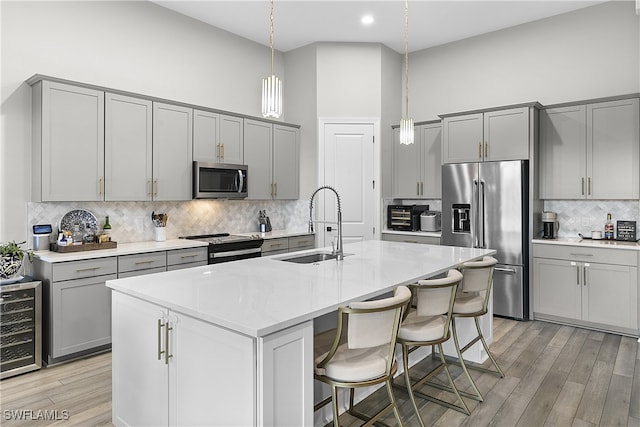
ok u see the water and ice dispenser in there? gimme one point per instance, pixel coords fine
(461, 218)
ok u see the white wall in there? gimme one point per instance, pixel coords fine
(590, 53)
(135, 46)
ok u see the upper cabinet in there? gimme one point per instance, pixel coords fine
(128, 148)
(217, 138)
(590, 151)
(172, 152)
(68, 149)
(487, 136)
(272, 155)
(417, 172)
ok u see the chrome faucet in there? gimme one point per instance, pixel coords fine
(337, 251)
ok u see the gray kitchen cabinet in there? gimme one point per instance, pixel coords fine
(272, 154)
(409, 238)
(68, 142)
(590, 151)
(275, 246)
(77, 306)
(586, 286)
(417, 171)
(128, 148)
(138, 264)
(501, 134)
(217, 138)
(178, 259)
(300, 243)
(172, 152)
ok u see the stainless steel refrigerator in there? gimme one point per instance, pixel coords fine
(486, 205)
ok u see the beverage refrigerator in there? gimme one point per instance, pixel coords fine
(486, 205)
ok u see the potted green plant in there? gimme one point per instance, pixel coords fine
(11, 259)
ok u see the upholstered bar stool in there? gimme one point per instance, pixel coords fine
(426, 323)
(368, 355)
(472, 300)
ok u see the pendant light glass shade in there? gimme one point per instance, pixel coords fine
(406, 124)
(272, 85)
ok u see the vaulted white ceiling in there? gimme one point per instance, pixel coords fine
(431, 22)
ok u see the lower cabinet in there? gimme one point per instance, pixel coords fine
(178, 259)
(586, 286)
(76, 306)
(283, 245)
(409, 238)
(172, 369)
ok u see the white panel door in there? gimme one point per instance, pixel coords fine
(349, 168)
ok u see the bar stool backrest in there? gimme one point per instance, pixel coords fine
(478, 275)
(377, 322)
(434, 297)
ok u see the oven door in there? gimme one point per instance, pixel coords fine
(217, 180)
(226, 256)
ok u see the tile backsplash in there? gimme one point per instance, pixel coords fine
(131, 221)
(583, 216)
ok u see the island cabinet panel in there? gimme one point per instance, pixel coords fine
(417, 167)
(409, 238)
(592, 287)
(494, 135)
(590, 151)
(172, 369)
(68, 149)
(128, 148)
(172, 152)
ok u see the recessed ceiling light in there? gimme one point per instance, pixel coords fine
(367, 20)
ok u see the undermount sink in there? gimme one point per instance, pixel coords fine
(310, 258)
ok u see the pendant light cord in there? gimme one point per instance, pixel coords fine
(271, 39)
(406, 57)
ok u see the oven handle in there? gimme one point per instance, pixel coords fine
(234, 253)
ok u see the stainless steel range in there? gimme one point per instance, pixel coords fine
(225, 247)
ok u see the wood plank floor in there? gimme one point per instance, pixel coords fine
(555, 376)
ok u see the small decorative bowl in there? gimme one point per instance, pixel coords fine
(10, 266)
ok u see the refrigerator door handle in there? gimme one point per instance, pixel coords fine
(505, 270)
(481, 219)
(476, 212)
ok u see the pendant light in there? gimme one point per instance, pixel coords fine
(406, 124)
(272, 85)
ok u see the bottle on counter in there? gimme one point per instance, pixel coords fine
(106, 229)
(608, 228)
(77, 235)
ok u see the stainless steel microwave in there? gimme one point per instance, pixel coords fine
(219, 181)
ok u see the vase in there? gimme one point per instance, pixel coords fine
(10, 266)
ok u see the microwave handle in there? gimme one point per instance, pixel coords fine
(241, 186)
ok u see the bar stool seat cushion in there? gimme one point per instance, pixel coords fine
(468, 303)
(352, 365)
(422, 328)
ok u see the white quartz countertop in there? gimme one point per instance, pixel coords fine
(260, 296)
(414, 233)
(122, 249)
(614, 244)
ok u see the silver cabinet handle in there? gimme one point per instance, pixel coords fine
(81, 270)
(149, 261)
(167, 356)
(573, 264)
(480, 150)
(486, 149)
(188, 256)
(583, 186)
(586, 267)
(160, 351)
(589, 187)
(580, 254)
(421, 188)
(417, 188)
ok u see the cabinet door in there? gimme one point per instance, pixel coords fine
(462, 139)
(286, 161)
(140, 376)
(612, 149)
(211, 375)
(127, 151)
(406, 167)
(430, 137)
(172, 152)
(72, 143)
(563, 155)
(206, 136)
(557, 287)
(610, 295)
(81, 315)
(257, 143)
(506, 134)
(232, 140)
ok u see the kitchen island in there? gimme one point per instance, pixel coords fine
(232, 343)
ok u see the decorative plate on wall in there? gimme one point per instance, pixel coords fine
(84, 218)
